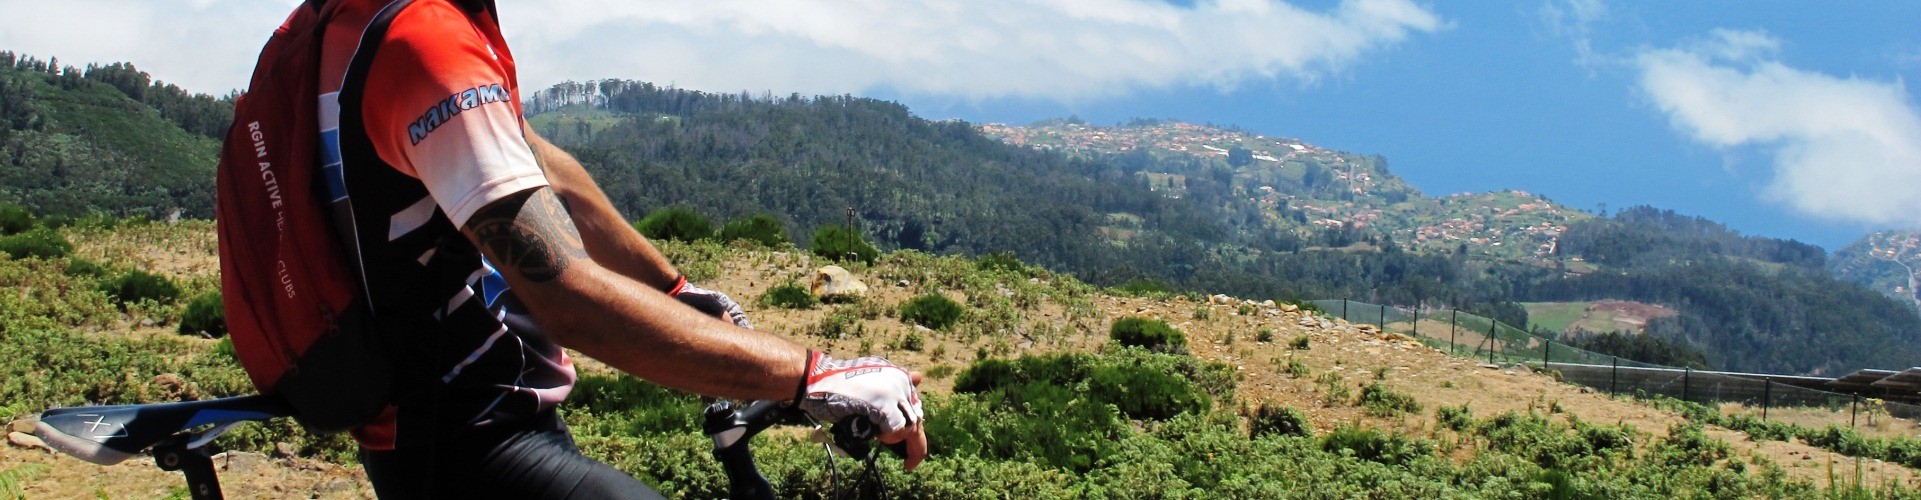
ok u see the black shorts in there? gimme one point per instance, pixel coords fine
(535, 459)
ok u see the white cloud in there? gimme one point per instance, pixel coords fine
(203, 45)
(1049, 49)
(1055, 49)
(1575, 20)
(1847, 149)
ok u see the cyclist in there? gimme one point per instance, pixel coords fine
(485, 250)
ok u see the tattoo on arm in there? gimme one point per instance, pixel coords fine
(529, 232)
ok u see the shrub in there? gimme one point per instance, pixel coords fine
(1141, 385)
(762, 228)
(678, 223)
(1373, 446)
(789, 296)
(1380, 401)
(1150, 334)
(1299, 343)
(837, 325)
(1273, 419)
(1456, 418)
(1000, 261)
(39, 242)
(78, 267)
(913, 342)
(140, 285)
(224, 349)
(205, 315)
(15, 219)
(842, 243)
(1294, 367)
(1143, 287)
(933, 310)
(1265, 335)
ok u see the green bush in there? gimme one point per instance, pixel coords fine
(140, 285)
(1299, 343)
(1380, 401)
(205, 315)
(1373, 446)
(789, 295)
(836, 325)
(913, 342)
(1456, 418)
(1151, 334)
(1294, 367)
(1000, 261)
(42, 242)
(763, 228)
(78, 267)
(1143, 287)
(1273, 419)
(1019, 409)
(843, 244)
(15, 219)
(676, 223)
(933, 310)
(1141, 384)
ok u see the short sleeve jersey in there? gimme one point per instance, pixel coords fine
(430, 133)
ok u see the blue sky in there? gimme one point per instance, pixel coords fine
(1783, 119)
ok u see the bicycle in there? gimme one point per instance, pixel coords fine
(178, 435)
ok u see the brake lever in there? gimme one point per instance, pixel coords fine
(855, 435)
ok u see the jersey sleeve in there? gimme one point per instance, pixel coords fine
(438, 106)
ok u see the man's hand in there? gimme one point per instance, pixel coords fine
(869, 387)
(713, 303)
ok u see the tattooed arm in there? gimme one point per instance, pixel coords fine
(608, 237)
(630, 325)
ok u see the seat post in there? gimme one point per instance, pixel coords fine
(174, 455)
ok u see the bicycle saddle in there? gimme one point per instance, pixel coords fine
(108, 435)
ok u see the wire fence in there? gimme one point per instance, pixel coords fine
(1772, 397)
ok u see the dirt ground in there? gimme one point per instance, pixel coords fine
(1215, 331)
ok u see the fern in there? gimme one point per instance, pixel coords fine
(8, 412)
(10, 479)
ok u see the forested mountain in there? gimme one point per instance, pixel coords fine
(1151, 202)
(105, 139)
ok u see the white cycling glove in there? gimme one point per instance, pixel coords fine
(711, 302)
(870, 387)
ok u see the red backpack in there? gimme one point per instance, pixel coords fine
(296, 310)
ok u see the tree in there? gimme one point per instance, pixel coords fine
(842, 243)
(1239, 157)
(678, 223)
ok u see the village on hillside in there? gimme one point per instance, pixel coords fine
(1511, 223)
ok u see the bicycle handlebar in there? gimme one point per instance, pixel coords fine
(732, 428)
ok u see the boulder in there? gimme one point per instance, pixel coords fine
(22, 425)
(240, 461)
(835, 281)
(28, 441)
(1290, 308)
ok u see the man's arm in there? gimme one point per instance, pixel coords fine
(609, 238)
(611, 317)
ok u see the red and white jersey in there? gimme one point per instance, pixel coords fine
(421, 127)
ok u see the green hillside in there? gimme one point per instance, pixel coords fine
(104, 139)
(1033, 392)
(1888, 262)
